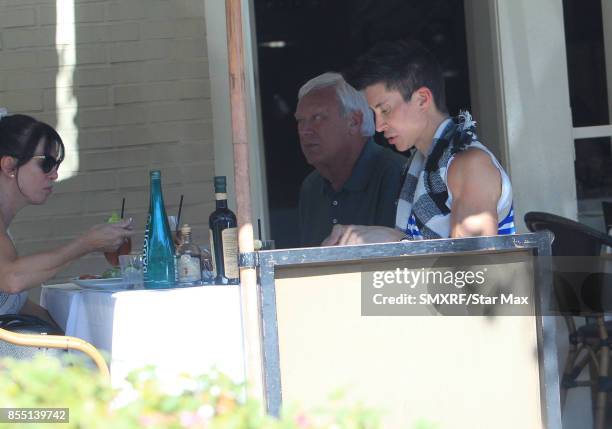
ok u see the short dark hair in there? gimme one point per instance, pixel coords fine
(402, 65)
(20, 134)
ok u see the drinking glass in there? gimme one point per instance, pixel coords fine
(207, 266)
(131, 270)
(125, 248)
(267, 245)
(176, 233)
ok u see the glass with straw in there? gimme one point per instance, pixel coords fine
(126, 247)
(261, 244)
(175, 224)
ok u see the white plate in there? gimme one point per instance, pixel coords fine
(111, 283)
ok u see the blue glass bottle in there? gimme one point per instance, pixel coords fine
(158, 247)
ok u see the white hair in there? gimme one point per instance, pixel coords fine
(350, 99)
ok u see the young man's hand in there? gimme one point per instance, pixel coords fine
(342, 235)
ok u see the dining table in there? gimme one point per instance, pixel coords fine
(188, 330)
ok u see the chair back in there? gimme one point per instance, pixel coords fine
(579, 292)
(571, 238)
(26, 324)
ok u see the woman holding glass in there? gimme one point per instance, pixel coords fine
(30, 155)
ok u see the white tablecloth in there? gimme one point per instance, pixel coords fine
(178, 330)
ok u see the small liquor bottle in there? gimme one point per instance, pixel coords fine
(188, 259)
(223, 237)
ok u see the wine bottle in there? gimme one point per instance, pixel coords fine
(158, 247)
(189, 259)
(223, 237)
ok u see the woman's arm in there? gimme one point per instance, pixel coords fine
(19, 273)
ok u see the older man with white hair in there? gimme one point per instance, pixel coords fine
(355, 181)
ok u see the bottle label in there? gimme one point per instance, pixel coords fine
(220, 196)
(189, 268)
(145, 246)
(212, 253)
(230, 252)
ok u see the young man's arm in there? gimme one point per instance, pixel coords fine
(475, 184)
(342, 235)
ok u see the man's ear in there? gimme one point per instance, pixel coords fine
(423, 97)
(8, 165)
(355, 121)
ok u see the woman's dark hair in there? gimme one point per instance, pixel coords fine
(402, 65)
(21, 134)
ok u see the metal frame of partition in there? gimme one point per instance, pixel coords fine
(539, 244)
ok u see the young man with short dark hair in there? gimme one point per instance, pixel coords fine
(455, 187)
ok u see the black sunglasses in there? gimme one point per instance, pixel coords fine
(48, 164)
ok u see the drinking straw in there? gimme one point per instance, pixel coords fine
(259, 228)
(122, 207)
(178, 217)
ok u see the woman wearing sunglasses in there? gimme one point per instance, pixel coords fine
(30, 155)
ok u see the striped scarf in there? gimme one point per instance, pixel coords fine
(423, 210)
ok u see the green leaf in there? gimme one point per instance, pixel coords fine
(114, 217)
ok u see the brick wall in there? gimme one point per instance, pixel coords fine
(139, 75)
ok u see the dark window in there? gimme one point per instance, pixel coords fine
(299, 39)
(586, 64)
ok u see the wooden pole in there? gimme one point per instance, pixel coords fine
(248, 277)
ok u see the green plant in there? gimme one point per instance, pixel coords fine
(212, 401)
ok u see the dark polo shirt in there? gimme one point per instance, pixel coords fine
(367, 198)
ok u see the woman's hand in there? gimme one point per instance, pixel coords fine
(107, 237)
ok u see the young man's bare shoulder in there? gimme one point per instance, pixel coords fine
(472, 172)
(472, 162)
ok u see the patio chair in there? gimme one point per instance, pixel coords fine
(589, 344)
(607, 213)
(57, 342)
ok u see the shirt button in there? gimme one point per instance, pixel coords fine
(334, 203)
(334, 221)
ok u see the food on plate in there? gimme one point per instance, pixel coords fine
(111, 273)
(89, 277)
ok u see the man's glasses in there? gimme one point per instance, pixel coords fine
(48, 163)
